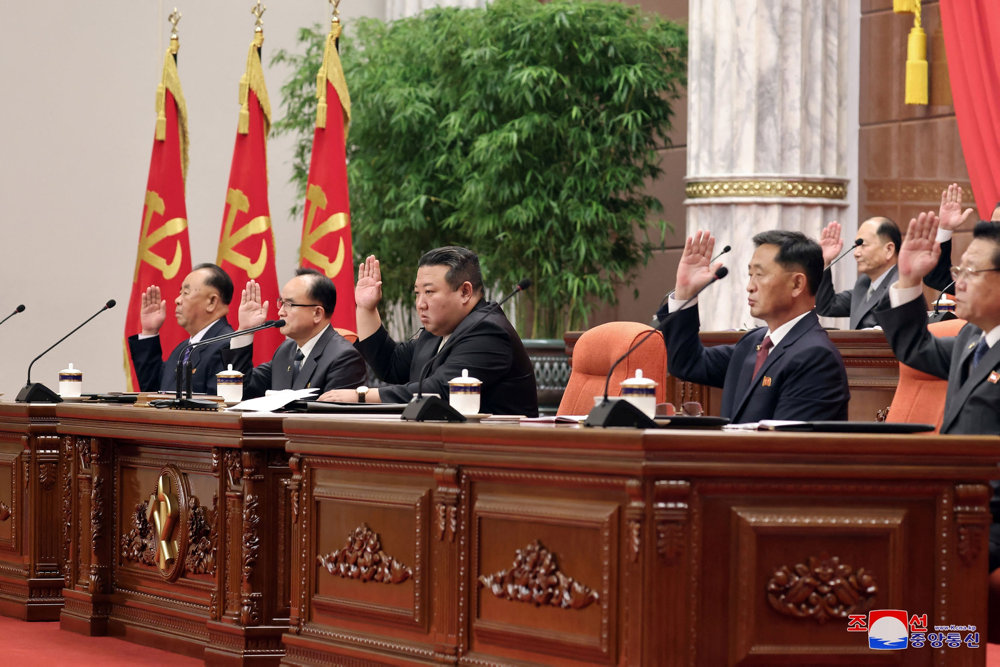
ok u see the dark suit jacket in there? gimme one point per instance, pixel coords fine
(154, 374)
(854, 302)
(972, 404)
(332, 364)
(486, 345)
(803, 377)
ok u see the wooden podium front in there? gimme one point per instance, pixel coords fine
(31, 553)
(490, 544)
(177, 530)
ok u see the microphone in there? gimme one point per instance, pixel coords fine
(621, 412)
(434, 408)
(844, 254)
(38, 392)
(19, 309)
(937, 315)
(183, 369)
(655, 322)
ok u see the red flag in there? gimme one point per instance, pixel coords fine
(164, 254)
(326, 229)
(246, 245)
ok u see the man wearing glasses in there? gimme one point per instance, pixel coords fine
(315, 355)
(969, 361)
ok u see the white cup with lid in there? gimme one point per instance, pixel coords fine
(71, 382)
(464, 393)
(229, 385)
(640, 392)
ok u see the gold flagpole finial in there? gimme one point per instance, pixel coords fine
(174, 18)
(258, 11)
(335, 6)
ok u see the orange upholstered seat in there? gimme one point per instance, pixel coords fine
(348, 334)
(593, 355)
(919, 397)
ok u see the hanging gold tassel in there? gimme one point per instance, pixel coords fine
(171, 80)
(253, 79)
(331, 70)
(916, 54)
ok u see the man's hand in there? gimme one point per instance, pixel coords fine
(368, 291)
(831, 242)
(153, 313)
(950, 215)
(919, 252)
(349, 396)
(695, 269)
(252, 312)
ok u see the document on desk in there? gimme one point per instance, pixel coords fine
(765, 425)
(274, 400)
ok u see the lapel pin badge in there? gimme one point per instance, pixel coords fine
(994, 377)
(766, 382)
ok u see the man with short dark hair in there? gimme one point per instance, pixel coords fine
(315, 354)
(786, 370)
(461, 331)
(969, 361)
(201, 309)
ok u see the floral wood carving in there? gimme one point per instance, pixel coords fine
(47, 474)
(4, 511)
(200, 558)
(824, 589)
(362, 558)
(139, 543)
(535, 577)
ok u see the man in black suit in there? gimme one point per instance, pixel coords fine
(201, 310)
(969, 361)
(786, 370)
(314, 356)
(459, 327)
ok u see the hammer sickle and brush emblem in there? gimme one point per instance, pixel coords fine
(163, 512)
(172, 227)
(316, 199)
(239, 203)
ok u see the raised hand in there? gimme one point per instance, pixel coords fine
(831, 241)
(153, 312)
(695, 269)
(252, 312)
(368, 291)
(919, 252)
(951, 216)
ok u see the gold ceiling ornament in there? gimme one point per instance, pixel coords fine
(258, 11)
(766, 187)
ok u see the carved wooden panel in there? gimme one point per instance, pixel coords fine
(9, 462)
(543, 570)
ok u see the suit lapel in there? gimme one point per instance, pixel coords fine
(859, 296)
(304, 378)
(198, 352)
(281, 366)
(959, 391)
(746, 380)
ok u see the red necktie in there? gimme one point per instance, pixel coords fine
(762, 350)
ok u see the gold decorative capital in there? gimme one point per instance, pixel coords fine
(174, 18)
(335, 7)
(258, 11)
(766, 187)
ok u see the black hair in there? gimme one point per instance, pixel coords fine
(888, 230)
(218, 279)
(462, 263)
(321, 289)
(989, 230)
(795, 250)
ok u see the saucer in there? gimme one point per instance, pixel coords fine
(477, 418)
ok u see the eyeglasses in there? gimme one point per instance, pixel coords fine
(963, 273)
(282, 303)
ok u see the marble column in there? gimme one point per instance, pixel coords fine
(768, 135)
(396, 9)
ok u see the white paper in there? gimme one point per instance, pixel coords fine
(274, 400)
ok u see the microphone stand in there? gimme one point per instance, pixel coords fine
(182, 393)
(844, 254)
(19, 309)
(621, 412)
(434, 408)
(939, 316)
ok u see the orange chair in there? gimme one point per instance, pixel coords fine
(348, 334)
(920, 397)
(593, 355)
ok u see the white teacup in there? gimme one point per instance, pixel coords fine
(71, 382)
(229, 385)
(464, 393)
(640, 392)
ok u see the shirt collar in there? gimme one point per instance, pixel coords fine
(311, 343)
(783, 330)
(201, 334)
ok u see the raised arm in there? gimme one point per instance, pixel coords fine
(367, 295)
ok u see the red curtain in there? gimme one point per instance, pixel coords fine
(972, 41)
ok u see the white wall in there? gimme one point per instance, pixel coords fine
(76, 129)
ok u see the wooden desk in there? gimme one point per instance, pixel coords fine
(216, 484)
(31, 546)
(483, 544)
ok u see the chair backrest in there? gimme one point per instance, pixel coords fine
(920, 397)
(593, 355)
(348, 334)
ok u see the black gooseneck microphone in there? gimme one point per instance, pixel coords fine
(621, 412)
(37, 392)
(183, 370)
(19, 309)
(844, 254)
(939, 316)
(434, 408)
(655, 322)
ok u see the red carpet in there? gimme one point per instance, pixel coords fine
(43, 643)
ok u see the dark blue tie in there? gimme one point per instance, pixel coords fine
(981, 349)
(297, 365)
